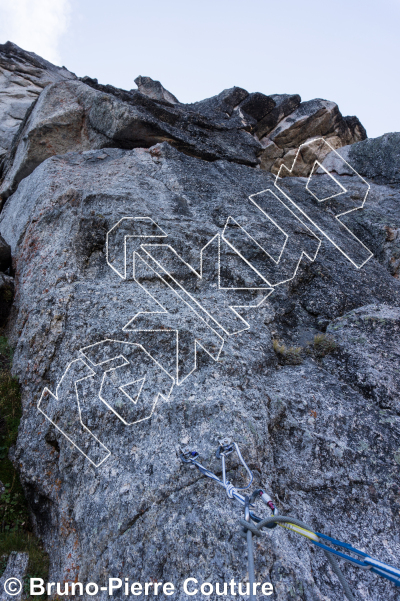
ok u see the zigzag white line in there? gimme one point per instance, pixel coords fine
(311, 258)
(200, 276)
(185, 293)
(148, 219)
(164, 311)
(336, 216)
(331, 176)
(124, 364)
(55, 396)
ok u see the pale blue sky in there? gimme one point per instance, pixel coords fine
(344, 51)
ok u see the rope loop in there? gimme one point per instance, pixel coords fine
(249, 526)
(230, 489)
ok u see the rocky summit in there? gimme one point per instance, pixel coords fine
(173, 274)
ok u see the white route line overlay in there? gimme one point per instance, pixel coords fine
(135, 219)
(200, 275)
(93, 373)
(332, 178)
(55, 396)
(129, 383)
(333, 196)
(304, 253)
(164, 311)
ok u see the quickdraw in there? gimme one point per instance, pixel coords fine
(363, 560)
(225, 448)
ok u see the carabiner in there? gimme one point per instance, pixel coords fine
(225, 448)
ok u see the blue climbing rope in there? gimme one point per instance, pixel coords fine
(366, 562)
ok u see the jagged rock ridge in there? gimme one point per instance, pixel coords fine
(252, 129)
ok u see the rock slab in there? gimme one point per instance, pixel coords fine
(13, 577)
(315, 438)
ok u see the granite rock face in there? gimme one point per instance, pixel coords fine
(17, 567)
(320, 435)
(169, 292)
(368, 352)
(23, 76)
(55, 125)
(378, 159)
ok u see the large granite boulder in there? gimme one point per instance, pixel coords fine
(221, 277)
(55, 125)
(23, 76)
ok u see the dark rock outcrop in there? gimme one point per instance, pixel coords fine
(257, 105)
(251, 129)
(284, 105)
(154, 89)
(378, 159)
(6, 297)
(73, 116)
(5, 255)
(223, 105)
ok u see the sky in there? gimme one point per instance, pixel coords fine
(344, 51)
